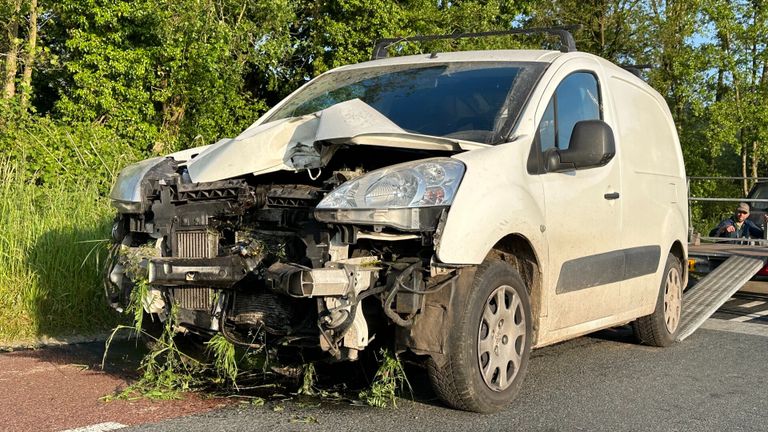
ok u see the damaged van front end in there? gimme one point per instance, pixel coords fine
(290, 255)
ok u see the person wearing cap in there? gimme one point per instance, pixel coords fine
(738, 226)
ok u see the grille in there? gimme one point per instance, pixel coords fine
(193, 298)
(196, 244)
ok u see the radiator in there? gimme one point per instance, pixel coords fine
(193, 298)
(195, 244)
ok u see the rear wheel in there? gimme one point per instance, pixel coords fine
(490, 343)
(661, 327)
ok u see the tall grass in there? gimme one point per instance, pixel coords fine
(51, 257)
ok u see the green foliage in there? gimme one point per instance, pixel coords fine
(389, 380)
(163, 74)
(224, 360)
(166, 371)
(62, 155)
(309, 376)
(52, 247)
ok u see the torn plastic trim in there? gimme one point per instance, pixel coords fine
(407, 219)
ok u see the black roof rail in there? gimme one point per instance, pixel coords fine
(636, 68)
(567, 44)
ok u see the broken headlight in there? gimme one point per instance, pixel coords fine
(424, 183)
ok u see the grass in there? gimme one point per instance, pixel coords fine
(388, 382)
(52, 250)
(224, 361)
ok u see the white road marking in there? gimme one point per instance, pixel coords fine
(753, 304)
(100, 427)
(750, 316)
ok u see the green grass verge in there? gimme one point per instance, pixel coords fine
(52, 254)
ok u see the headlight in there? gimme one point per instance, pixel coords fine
(424, 183)
(126, 193)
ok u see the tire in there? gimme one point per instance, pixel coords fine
(661, 327)
(489, 347)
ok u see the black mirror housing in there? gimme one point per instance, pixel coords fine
(592, 145)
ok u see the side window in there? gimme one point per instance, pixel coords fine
(547, 126)
(576, 98)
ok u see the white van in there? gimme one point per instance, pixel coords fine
(463, 208)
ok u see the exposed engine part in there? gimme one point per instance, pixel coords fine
(196, 244)
(342, 175)
(386, 236)
(270, 311)
(193, 298)
(294, 196)
(298, 281)
(245, 259)
(154, 303)
(219, 272)
(220, 190)
(353, 338)
(406, 294)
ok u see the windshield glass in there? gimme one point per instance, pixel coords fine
(471, 101)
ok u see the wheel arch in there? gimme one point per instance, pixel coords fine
(519, 252)
(678, 250)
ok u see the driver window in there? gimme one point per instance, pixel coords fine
(576, 98)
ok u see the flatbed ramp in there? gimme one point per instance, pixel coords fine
(739, 264)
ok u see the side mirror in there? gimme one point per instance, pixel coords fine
(591, 145)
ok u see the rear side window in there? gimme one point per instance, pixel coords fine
(577, 98)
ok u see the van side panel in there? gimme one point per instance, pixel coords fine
(655, 210)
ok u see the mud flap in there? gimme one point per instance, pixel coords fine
(431, 328)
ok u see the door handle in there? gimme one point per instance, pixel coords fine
(611, 196)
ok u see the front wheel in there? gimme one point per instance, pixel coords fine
(490, 343)
(661, 327)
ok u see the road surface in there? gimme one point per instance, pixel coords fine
(717, 379)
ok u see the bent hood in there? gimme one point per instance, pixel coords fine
(307, 142)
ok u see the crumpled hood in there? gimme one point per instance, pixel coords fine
(293, 144)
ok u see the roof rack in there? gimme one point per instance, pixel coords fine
(567, 44)
(636, 69)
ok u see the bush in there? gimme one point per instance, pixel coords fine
(48, 153)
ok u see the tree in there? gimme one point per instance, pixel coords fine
(738, 88)
(612, 29)
(12, 16)
(30, 55)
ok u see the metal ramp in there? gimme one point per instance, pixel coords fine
(712, 291)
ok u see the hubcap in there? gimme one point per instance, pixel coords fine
(501, 338)
(673, 293)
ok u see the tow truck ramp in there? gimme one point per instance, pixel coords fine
(737, 265)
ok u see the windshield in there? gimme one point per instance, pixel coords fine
(470, 101)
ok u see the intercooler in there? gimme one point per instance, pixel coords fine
(194, 244)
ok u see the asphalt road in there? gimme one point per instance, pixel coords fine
(715, 380)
